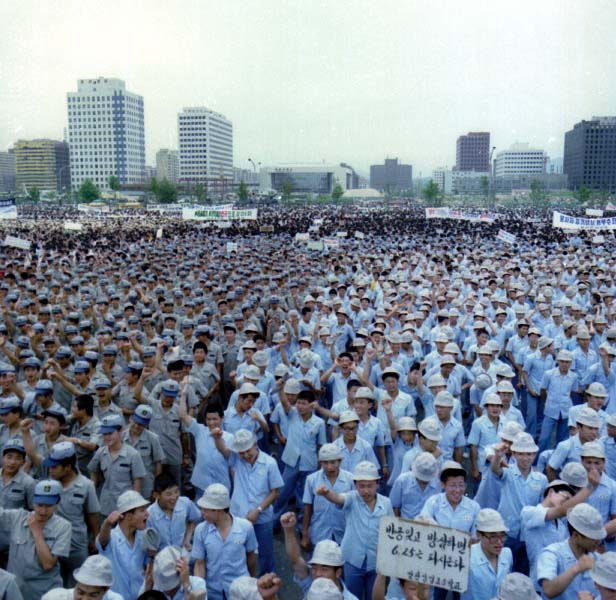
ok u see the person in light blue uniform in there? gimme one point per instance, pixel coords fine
(412, 488)
(322, 519)
(363, 509)
(403, 440)
(491, 560)
(535, 365)
(520, 487)
(224, 545)
(353, 448)
(563, 568)
(256, 485)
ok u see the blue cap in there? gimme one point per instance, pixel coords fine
(142, 415)
(58, 453)
(134, 365)
(56, 414)
(64, 352)
(111, 423)
(149, 351)
(43, 386)
(47, 492)
(15, 444)
(102, 382)
(82, 366)
(110, 351)
(9, 404)
(170, 388)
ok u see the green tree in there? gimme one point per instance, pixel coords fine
(432, 193)
(538, 194)
(484, 183)
(88, 192)
(583, 194)
(337, 192)
(242, 192)
(114, 184)
(34, 194)
(200, 193)
(167, 192)
(287, 188)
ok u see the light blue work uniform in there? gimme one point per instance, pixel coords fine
(407, 495)
(567, 451)
(303, 441)
(173, 529)
(399, 449)
(483, 581)
(225, 560)
(327, 520)
(362, 450)
(462, 517)
(554, 560)
(483, 433)
(452, 437)
(211, 466)
(233, 421)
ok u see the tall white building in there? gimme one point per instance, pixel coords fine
(205, 148)
(105, 132)
(167, 165)
(520, 159)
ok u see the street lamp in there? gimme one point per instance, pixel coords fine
(491, 180)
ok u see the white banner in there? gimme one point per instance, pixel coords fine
(429, 554)
(443, 212)
(8, 210)
(232, 247)
(598, 239)
(317, 222)
(506, 237)
(331, 242)
(593, 212)
(222, 224)
(566, 222)
(159, 233)
(16, 242)
(313, 229)
(216, 214)
(302, 237)
(72, 226)
(359, 235)
(315, 245)
(440, 212)
(341, 234)
(610, 206)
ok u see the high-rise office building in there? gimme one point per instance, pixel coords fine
(105, 132)
(168, 165)
(43, 164)
(520, 159)
(391, 177)
(473, 151)
(7, 172)
(590, 154)
(205, 149)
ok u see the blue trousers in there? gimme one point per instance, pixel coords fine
(294, 482)
(531, 413)
(548, 426)
(265, 540)
(359, 581)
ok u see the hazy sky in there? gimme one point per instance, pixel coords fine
(313, 81)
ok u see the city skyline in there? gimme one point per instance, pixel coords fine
(352, 82)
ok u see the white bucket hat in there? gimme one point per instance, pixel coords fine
(243, 440)
(575, 475)
(215, 496)
(510, 430)
(587, 520)
(130, 500)
(327, 553)
(96, 570)
(248, 388)
(431, 429)
(164, 571)
(589, 417)
(524, 442)
(596, 388)
(593, 449)
(292, 386)
(517, 586)
(604, 570)
(425, 467)
(323, 589)
(444, 398)
(366, 471)
(329, 452)
(348, 416)
(490, 521)
(493, 399)
(244, 588)
(406, 424)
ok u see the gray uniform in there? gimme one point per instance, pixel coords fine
(17, 493)
(124, 396)
(88, 433)
(24, 563)
(192, 400)
(77, 500)
(60, 394)
(42, 449)
(8, 586)
(167, 425)
(5, 434)
(150, 450)
(118, 474)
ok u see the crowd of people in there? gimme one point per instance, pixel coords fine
(174, 409)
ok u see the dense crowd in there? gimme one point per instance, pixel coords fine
(172, 406)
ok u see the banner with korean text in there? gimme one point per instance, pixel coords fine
(214, 214)
(563, 221)
(8, 210)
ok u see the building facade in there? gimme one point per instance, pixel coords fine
(590, 154)
(205, 149)
(443, 177)
(106, 132)
(43, 164)
(520, 159)
(7, 172)
(168, 165)
(391, 176)
(473, 152)
(307, 179)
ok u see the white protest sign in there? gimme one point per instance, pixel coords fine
(359, 235)
(313, 228)
(506, 237)
(331, 242)
(567, 222)
(598, 239)
(72, 226)
(8, 210)
(232, 247)
(429, 554)
(317, 222)
(610, 206)
(159, 233)
(315, 245)
(302, 237)
(593, 212)
(341, 234)
(223, 224)
(16, 242)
